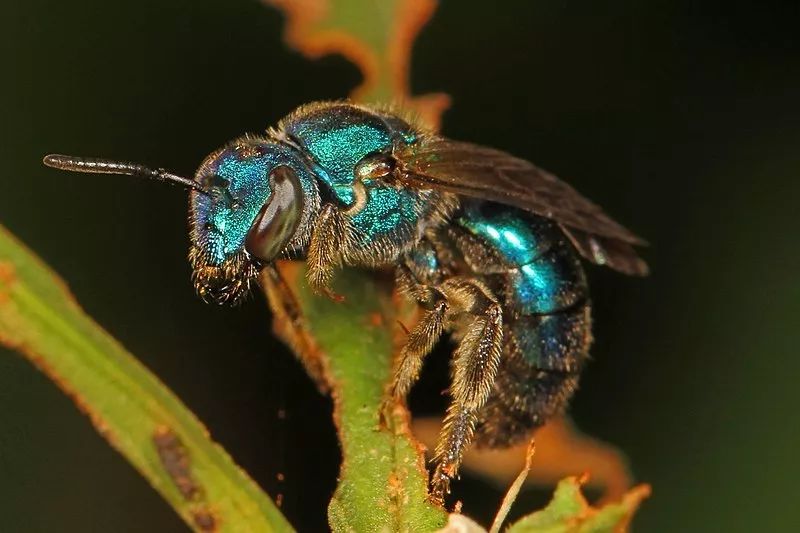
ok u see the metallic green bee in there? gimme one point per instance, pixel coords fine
(488, 244)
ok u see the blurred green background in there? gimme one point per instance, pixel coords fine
(681, 118)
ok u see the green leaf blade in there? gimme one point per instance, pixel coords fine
(569, 512)
(125, 402)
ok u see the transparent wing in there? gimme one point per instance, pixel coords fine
(480, 172)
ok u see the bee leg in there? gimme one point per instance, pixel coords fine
(419, 343)
(325, 250)
(475, 365)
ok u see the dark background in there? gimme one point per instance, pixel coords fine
(682, 118)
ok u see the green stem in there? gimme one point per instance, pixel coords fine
(383, 481)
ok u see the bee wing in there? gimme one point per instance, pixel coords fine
(476, 171)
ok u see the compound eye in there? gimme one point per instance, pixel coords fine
(278, 219)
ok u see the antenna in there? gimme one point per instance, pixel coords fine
(105, 166)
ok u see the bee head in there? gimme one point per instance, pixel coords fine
(253, 203)
(250, 202)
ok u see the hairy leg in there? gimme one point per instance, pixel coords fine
(452, 303)
(419, 344)
(475, 365)
(326, 249)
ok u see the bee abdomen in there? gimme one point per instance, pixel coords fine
(547, 284)
(542, 360)
(536, 274)
(556, 342)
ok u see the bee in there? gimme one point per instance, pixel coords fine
(488, 244)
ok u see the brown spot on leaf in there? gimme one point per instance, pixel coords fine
(375, 320)
(395, 490)
(7, 273)
(204, 520)
(175, 460)
(7, 278)
(395, 485)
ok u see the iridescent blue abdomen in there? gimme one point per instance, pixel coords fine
(543, 274)
(530, 266)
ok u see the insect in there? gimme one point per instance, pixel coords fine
(489, 245)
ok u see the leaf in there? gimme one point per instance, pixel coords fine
(383, 481)
(569, 512)
(561, 450)
(127, 404)
(377, 36)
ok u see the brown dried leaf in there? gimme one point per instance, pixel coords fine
(561, 450)
(376, 36)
